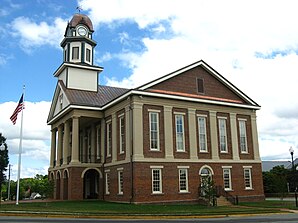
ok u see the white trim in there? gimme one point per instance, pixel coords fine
(182, 167)
(120, 168)
(179, 113)
(153, 110)
(157, 131)
(156, 167)
(186, 180)
(183, 132)
(247, 167)
(226, 167)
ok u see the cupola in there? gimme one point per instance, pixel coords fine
(78, 45)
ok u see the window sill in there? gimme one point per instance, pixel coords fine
(120, 194)
(157, 193)
(228, 189)
(184, 192)
(248, 189)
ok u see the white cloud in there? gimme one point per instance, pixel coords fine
(34, 34)
(251, 44)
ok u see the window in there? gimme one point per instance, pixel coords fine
(202, 134)
(75, 53)
(227, 179)
(120, 181)
(107, 182)
(156, 181)
(61, 101)
(109, 138)
(88, 55)
(222, 125)
(98, 143)
(180, 146)
(154, 130)
(242, 135)
(247, 178)
(121, 134)
(200, 84)
(183, 180)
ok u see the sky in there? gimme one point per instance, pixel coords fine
(254, 44)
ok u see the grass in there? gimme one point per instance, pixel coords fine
(96, 208)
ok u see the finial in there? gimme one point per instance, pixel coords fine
(79, 8)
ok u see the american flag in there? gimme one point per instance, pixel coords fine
(18, 109)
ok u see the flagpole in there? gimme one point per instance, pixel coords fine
(20, 150)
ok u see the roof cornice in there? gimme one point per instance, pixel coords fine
(79, 66)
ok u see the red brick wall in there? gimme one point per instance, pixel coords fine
(187, 83)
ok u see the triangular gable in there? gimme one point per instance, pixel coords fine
(59, 102)
(184, 83)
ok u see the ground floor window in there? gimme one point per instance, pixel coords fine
(120, 181)
(247, 178)
(183, 180)
(227, 178)
(156, 181)
(107, 179)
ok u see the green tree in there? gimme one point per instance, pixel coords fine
(3, 159)
(275, 181)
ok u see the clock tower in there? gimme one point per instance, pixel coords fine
(77, 70)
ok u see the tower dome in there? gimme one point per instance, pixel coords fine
(81, 19)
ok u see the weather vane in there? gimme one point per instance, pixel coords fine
(79, 8)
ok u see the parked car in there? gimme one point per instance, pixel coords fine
(35, 196)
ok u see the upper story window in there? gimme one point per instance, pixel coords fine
(202, 134)
(98, 143)
(200, 85)
(121, 134)
(75, 53)
(180, 144)
(222, 125)
(109, 138)
(61, 101)
(154, 130)
(243, 136)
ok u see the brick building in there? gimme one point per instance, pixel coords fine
(154, 143)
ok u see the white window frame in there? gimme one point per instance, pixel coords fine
(243, 136)
(109, 138)
(121, 133)
(227, 178)
(73, 54)
(156, 179)
(247, 178)
(202, 134)
(183, 182)
(88, 51)
(107, 182)
(222, 130)
(120, 181)
(180, 146)
(151, 131)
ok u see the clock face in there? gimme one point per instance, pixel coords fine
(82, 31)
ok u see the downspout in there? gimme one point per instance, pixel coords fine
(131, 151)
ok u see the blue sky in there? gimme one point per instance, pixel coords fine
(251, 44)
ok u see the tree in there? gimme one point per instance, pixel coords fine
(3, 159)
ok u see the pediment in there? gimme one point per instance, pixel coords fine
(199, 81)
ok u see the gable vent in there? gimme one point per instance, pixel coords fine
(200, 85)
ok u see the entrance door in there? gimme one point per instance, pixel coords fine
(91, 184)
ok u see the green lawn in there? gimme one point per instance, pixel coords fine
(94, 207)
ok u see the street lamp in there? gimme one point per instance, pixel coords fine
(291, 150)
(2, 148)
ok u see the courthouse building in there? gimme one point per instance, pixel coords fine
(154, 143)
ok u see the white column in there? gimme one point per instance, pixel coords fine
(168, 125)
(60, 143)
(213, 135)
(138, 131)
(102, 140)
(75, 141)
(255, 140)
(234, 136)
(127, 133)
(53, 147)
(193, 146)
(65, 142)
(93, 143)
(114, 137)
